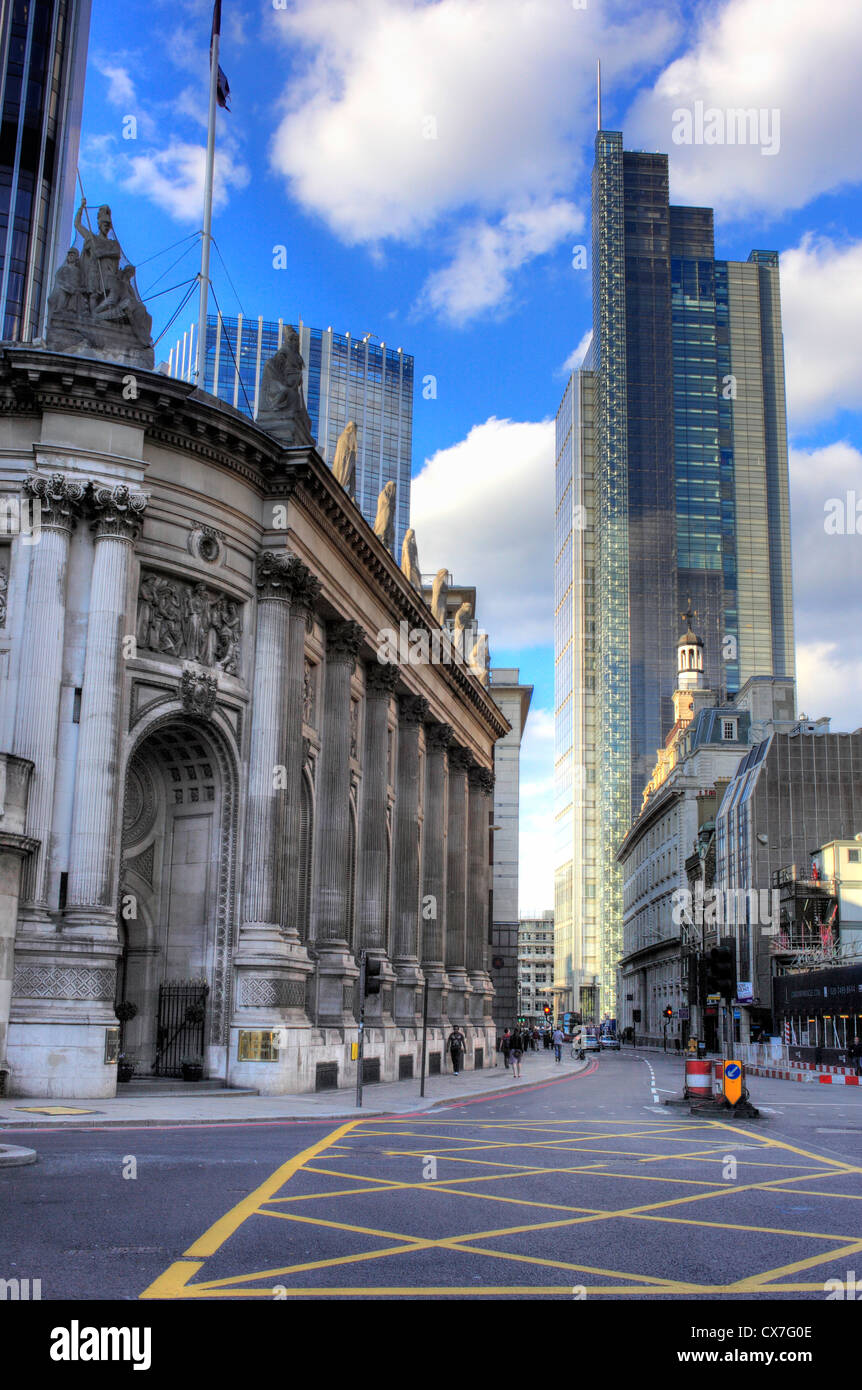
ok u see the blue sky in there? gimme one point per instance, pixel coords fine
(426, 165)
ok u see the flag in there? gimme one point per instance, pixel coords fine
(222, 86)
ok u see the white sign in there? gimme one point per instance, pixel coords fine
(744, 991)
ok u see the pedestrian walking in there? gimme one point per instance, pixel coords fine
(856, 1055)
(505, 1046)
(546, 1039)
(516, 1052)
(457, 1046)
(558, 1044)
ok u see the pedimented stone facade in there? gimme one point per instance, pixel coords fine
(213, 796)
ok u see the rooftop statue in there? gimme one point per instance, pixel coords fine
(344, 466)
(281, 409)
(439, 594)
(384, 523)
(480, 659)
(410, 559)
(94, 309)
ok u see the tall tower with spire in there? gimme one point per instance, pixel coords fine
(671, 479)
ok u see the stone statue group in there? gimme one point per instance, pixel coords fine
(94, 307)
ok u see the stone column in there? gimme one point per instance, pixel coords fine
(335, 967)
(15, 779)
(305, 591)
(412, 713)
(373, 877)
(433, 949)
(39, 683)
(267, 942)
(96, 808)
(481, 782)
(460, 761)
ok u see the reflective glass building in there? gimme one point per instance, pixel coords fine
(672, 483)
(43, 51)
(345, 378)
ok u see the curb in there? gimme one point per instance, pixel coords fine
(823, 1078)
(11, 1156)
(166, 1122)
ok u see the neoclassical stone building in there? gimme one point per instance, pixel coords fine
(213, 795)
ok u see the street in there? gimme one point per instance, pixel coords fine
(582, 1187)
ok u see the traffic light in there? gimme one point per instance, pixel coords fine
(372, 976)
(721, 972)
(547, 1011)
(668, 1013)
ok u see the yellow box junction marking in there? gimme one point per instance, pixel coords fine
(268, 1200)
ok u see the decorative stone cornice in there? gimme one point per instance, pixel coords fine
(118, 512)
(381, 678)
(412, 709)
(460, 759)
(438, 735)
(174, 415)
(60, 499)
(343, 640)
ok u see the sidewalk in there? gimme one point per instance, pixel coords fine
(240, 1107)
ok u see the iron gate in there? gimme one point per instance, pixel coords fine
(180, 1037)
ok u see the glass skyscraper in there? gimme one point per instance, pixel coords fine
(345, 378)
(43, 51)
(672, 483)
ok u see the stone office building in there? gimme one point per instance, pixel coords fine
(213, 794)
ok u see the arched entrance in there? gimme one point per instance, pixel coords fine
(175, 888)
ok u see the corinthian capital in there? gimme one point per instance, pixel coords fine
(118, 512)
(381, 678)
(343, 640)
(460, 759)
(412, 709)
(59, 499)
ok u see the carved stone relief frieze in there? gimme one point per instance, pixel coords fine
(189, 620)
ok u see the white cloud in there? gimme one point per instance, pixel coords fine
(173, 178)
(827, 580)
(830, 683)
(406, 113)
(121, 88)
(484, 509)
(797, 57)
(821, 301)
(480, 275)
(577, 355)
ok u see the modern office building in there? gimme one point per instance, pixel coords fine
(513, 700)
(345, 378)
(43, 52)
(535, 966)
(672, 485)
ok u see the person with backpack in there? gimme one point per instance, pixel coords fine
(516, 1052)
(505, 1046)
(457, 1046)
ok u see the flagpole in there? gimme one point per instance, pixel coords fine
(208, 209)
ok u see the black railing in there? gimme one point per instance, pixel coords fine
(180, 1037)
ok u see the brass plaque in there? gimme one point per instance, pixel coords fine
(257, 1045)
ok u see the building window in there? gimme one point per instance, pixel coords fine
(729, 728)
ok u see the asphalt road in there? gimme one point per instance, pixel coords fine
(583, 1188)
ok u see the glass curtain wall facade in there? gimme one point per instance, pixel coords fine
(345, 378)
(43, 50)
(671, 440)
